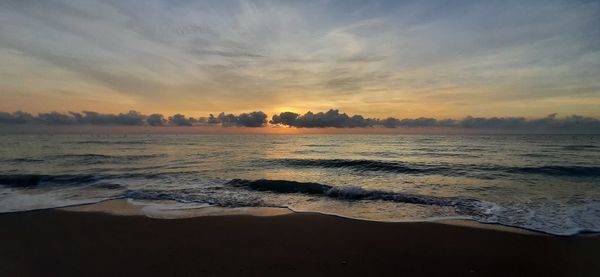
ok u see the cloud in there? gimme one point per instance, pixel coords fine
(253, 119)
(550, 122)
(418, 122)
(181, 120)
(129, 119)
(227, 120)
(156, 120)
(390, 122)
(15, 118)
(56, 118)
(133, 118)
(332, 118)
(86, 117)
(285, 118)
(335, 119)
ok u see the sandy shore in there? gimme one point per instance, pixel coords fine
(90, 243)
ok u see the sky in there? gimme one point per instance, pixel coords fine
(407, 59)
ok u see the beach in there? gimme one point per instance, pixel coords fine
(299, 138)
(59, 242)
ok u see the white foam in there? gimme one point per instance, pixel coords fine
(167, 209)
(553, 219)
(16, 202)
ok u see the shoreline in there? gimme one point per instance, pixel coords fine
(69, 242)
(126, 207)
(119, 207)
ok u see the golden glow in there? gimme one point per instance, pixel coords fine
(240, 57)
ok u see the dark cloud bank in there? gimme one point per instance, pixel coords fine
(331, 118)
(133, 118)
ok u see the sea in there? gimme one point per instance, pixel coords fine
(545, 183)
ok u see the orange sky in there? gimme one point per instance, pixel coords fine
(404, 59)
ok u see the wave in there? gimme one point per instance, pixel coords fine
(535, 155)
(190, 197)
(159, 195)
(361, 165)
(443, 154)
(555, 218)
(22, 160)
(277, 186)
(580, 216)
(579, 147)
(559, 220)
(348, 193)
(321, 145)
(38, 180)
(574, 171)
(281, 186)
(106, 142)
(381, 154)
(101, 158)
(31, 180)
(306, 152)
(91, 155)
(448, 170)
(83, 156)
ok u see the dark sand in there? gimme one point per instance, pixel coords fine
(66, 243)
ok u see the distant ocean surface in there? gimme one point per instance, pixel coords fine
(548, 183)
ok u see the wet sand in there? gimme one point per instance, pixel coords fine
(89, 243)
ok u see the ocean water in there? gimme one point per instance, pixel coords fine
(548, 183)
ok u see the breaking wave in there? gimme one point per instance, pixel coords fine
(557, 220)
(348, 193)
